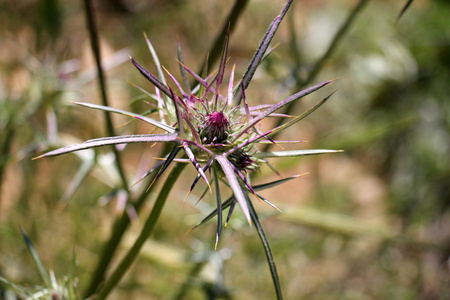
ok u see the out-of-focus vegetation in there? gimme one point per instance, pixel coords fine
(371, 223)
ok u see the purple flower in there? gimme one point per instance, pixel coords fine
(215, 128)
(218, 133)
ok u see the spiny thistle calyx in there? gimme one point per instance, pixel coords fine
(242, 160)
(214, 128)
(218, 133)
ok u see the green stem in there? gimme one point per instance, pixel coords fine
(321, 62)
(230, 22)
(181, 293)
(110, 247)
(6, 142)
(118, 230)
(93, 34)
(267, 250)
(122, 224)
(335, 42)
(147, 230)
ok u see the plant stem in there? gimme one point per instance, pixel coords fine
(118, 230)
(267, 250)
(93, 34)
(122, 224)
(335, 42)
(320, 63)
(147, 230)
(230, 22)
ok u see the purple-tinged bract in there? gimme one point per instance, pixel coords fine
(215, 128)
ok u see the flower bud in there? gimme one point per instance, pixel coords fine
(215, 128)
(241, 160)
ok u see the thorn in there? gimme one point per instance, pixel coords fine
(187, 195)
(150, 186)
(217, 242)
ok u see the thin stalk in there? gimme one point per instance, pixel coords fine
(181, 293)
(118, 230)
(147, 230)
(321, 62)
(260, 52)
(93, 34)
(405, 7)
(267, 250)
(121, 224)
(229, 23)
(5, 147)
(335, 42)
(110, 247)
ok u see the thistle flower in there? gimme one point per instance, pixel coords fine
(215, 128)
(219, 133)
(216, 134)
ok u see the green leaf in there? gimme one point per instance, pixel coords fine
(267, 250)
(165, 127)
(300, 117)
(281, 104)
(113, 140)
(293, 153)
(42, 271)
(234, 184)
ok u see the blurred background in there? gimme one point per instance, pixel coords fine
(370, 223)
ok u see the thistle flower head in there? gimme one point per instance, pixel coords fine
(218, 133)
(214, 128)
(242, 161)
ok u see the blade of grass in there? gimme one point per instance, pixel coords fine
(42, 271)
(294, 153)
(113, 140)
(165, 127)
(16, 288)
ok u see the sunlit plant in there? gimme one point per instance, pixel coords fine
(219, 132)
